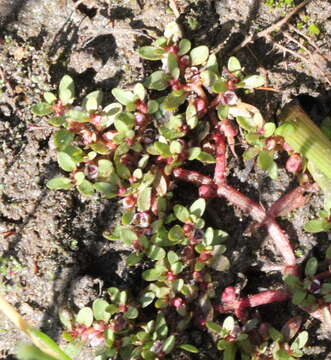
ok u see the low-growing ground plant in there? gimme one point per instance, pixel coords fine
(180, 125)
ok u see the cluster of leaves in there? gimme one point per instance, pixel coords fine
(114, 324)
(280, 3)
(313, 290)
(268, 342)
(129, 149)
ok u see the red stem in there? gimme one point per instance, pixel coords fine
(239, 306)
(249, 206)
(192, 176)
(288, 202)
(220, 168)
(323, 275)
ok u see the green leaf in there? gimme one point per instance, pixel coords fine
(122, 171)
(156, 253)
(151, 53)
(275, 335)
(152, 274)
(206, 158)
(228, 323)
(59, 183)
(105, 168)
(266, 162)
(219, 261)
(163, 149)
(85, 316)
(67, 90)
(251, 153)
(62, 138)
(158, 80)
(311, 267)
(144, 199)
(189, 348)
(31, 352)
(298, 297)
(219, 86)
(140, 91)
(199, 55)
(57, 120)
(247, 123)
(292, 281)
(269, 128)
(79, 177)
(173, 65)
(50, 97)
(169, 344)
(214, 327)
(198, 207)
(253, 81)
(314, 29)
(317, 225)
(282, 354)
(93, 100)
(176, 147)
(75, 152)
(152, 106)
(176, 234)
(112, 109)
(65, 161)
(223, 112)
(100, 148)
(124, 122)
(147, 298)
(172, 257)
(133, 259)
(193, 153)
(123, 96)
(132, 313)
(181, 213)
(106, 189)
(173, 100)
(128, 236)
(300, 341)
(177, 267)
(184, 47)
(42, 109)
(78, 116)
(66, 319)
(234, 64)
(191, 116)
(86, 188)
(99, 308)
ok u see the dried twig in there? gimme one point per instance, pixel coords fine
(173, 6)
(313, 66)
(278, 25)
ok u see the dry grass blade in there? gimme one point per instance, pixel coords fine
(278, 25)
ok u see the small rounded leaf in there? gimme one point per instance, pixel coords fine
(199, 55)
(311, 267)
(234, 64)
(184, 47)
(85, 316)
(65, 161)
(189, 348)
(151, 53)
(100, 310)
(59, 183)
